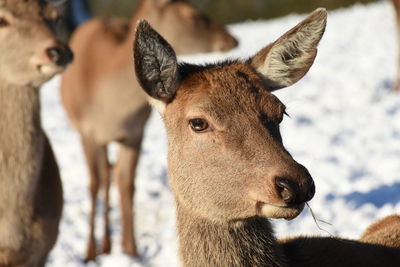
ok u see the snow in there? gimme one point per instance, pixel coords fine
(344, 127)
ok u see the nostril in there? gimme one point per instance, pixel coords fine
(54, 54)
(60, 55)
(286, 190)
(68, 56)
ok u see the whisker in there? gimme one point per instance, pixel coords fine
(316, 220)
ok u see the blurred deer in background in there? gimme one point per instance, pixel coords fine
(105, 103)
(227, 166)
(30, 186)
(385, 232)
(396, 85)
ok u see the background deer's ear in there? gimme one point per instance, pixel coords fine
(289, 58)
(156, 65)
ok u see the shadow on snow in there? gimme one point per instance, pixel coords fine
(386, 194)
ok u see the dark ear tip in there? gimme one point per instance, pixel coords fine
(143, 31)
(142, 26)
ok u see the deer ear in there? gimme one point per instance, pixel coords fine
(289, 58)
(156, 65)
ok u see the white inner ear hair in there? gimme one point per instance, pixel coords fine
(293, 52)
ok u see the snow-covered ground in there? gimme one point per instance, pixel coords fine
(344, 127)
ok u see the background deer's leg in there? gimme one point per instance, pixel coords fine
(96, 157)
(105, 179)
(125, 173)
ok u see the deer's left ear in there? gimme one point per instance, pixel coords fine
(289, 58)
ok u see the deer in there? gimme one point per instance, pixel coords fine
(396, 84)
(104, 103)
(228, 169)
(30, 187)
(384, 232)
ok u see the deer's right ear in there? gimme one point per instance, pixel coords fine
(289, 58)
(156, 65)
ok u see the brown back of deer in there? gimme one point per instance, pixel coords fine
(105, 103)
(227, 166)
(379, 245)
(384, 232)
(30, 187)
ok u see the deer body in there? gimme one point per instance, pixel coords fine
(227, 166)
(90, 97)
(385, 232)
(31, 197)
(104, 102)
(30, 186)
(333, 252)
(251, 242)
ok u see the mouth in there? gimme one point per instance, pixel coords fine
(279, 212)
(50, 69)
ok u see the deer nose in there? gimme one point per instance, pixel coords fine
(230, 43)
(60, 54)
(292, 193)
(225, 43)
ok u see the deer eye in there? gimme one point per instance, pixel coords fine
(202, 19)
(198, 125)
(3, 22)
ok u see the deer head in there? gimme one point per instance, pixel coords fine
(34, 54)
(226, 157)
(186, 27)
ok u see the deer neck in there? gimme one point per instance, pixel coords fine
(146, 7)
(249, 242)
(145, 10)
(148, 10)
(21, 144)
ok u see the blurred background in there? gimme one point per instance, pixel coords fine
(230, 11)
(221, 11)
(344, 126)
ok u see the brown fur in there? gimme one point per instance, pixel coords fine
(120, 28)
(215, 191)
(333, 252)
(247, 242)
(385, 232)
(224, 171)
(30, 186)
(105, 103)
